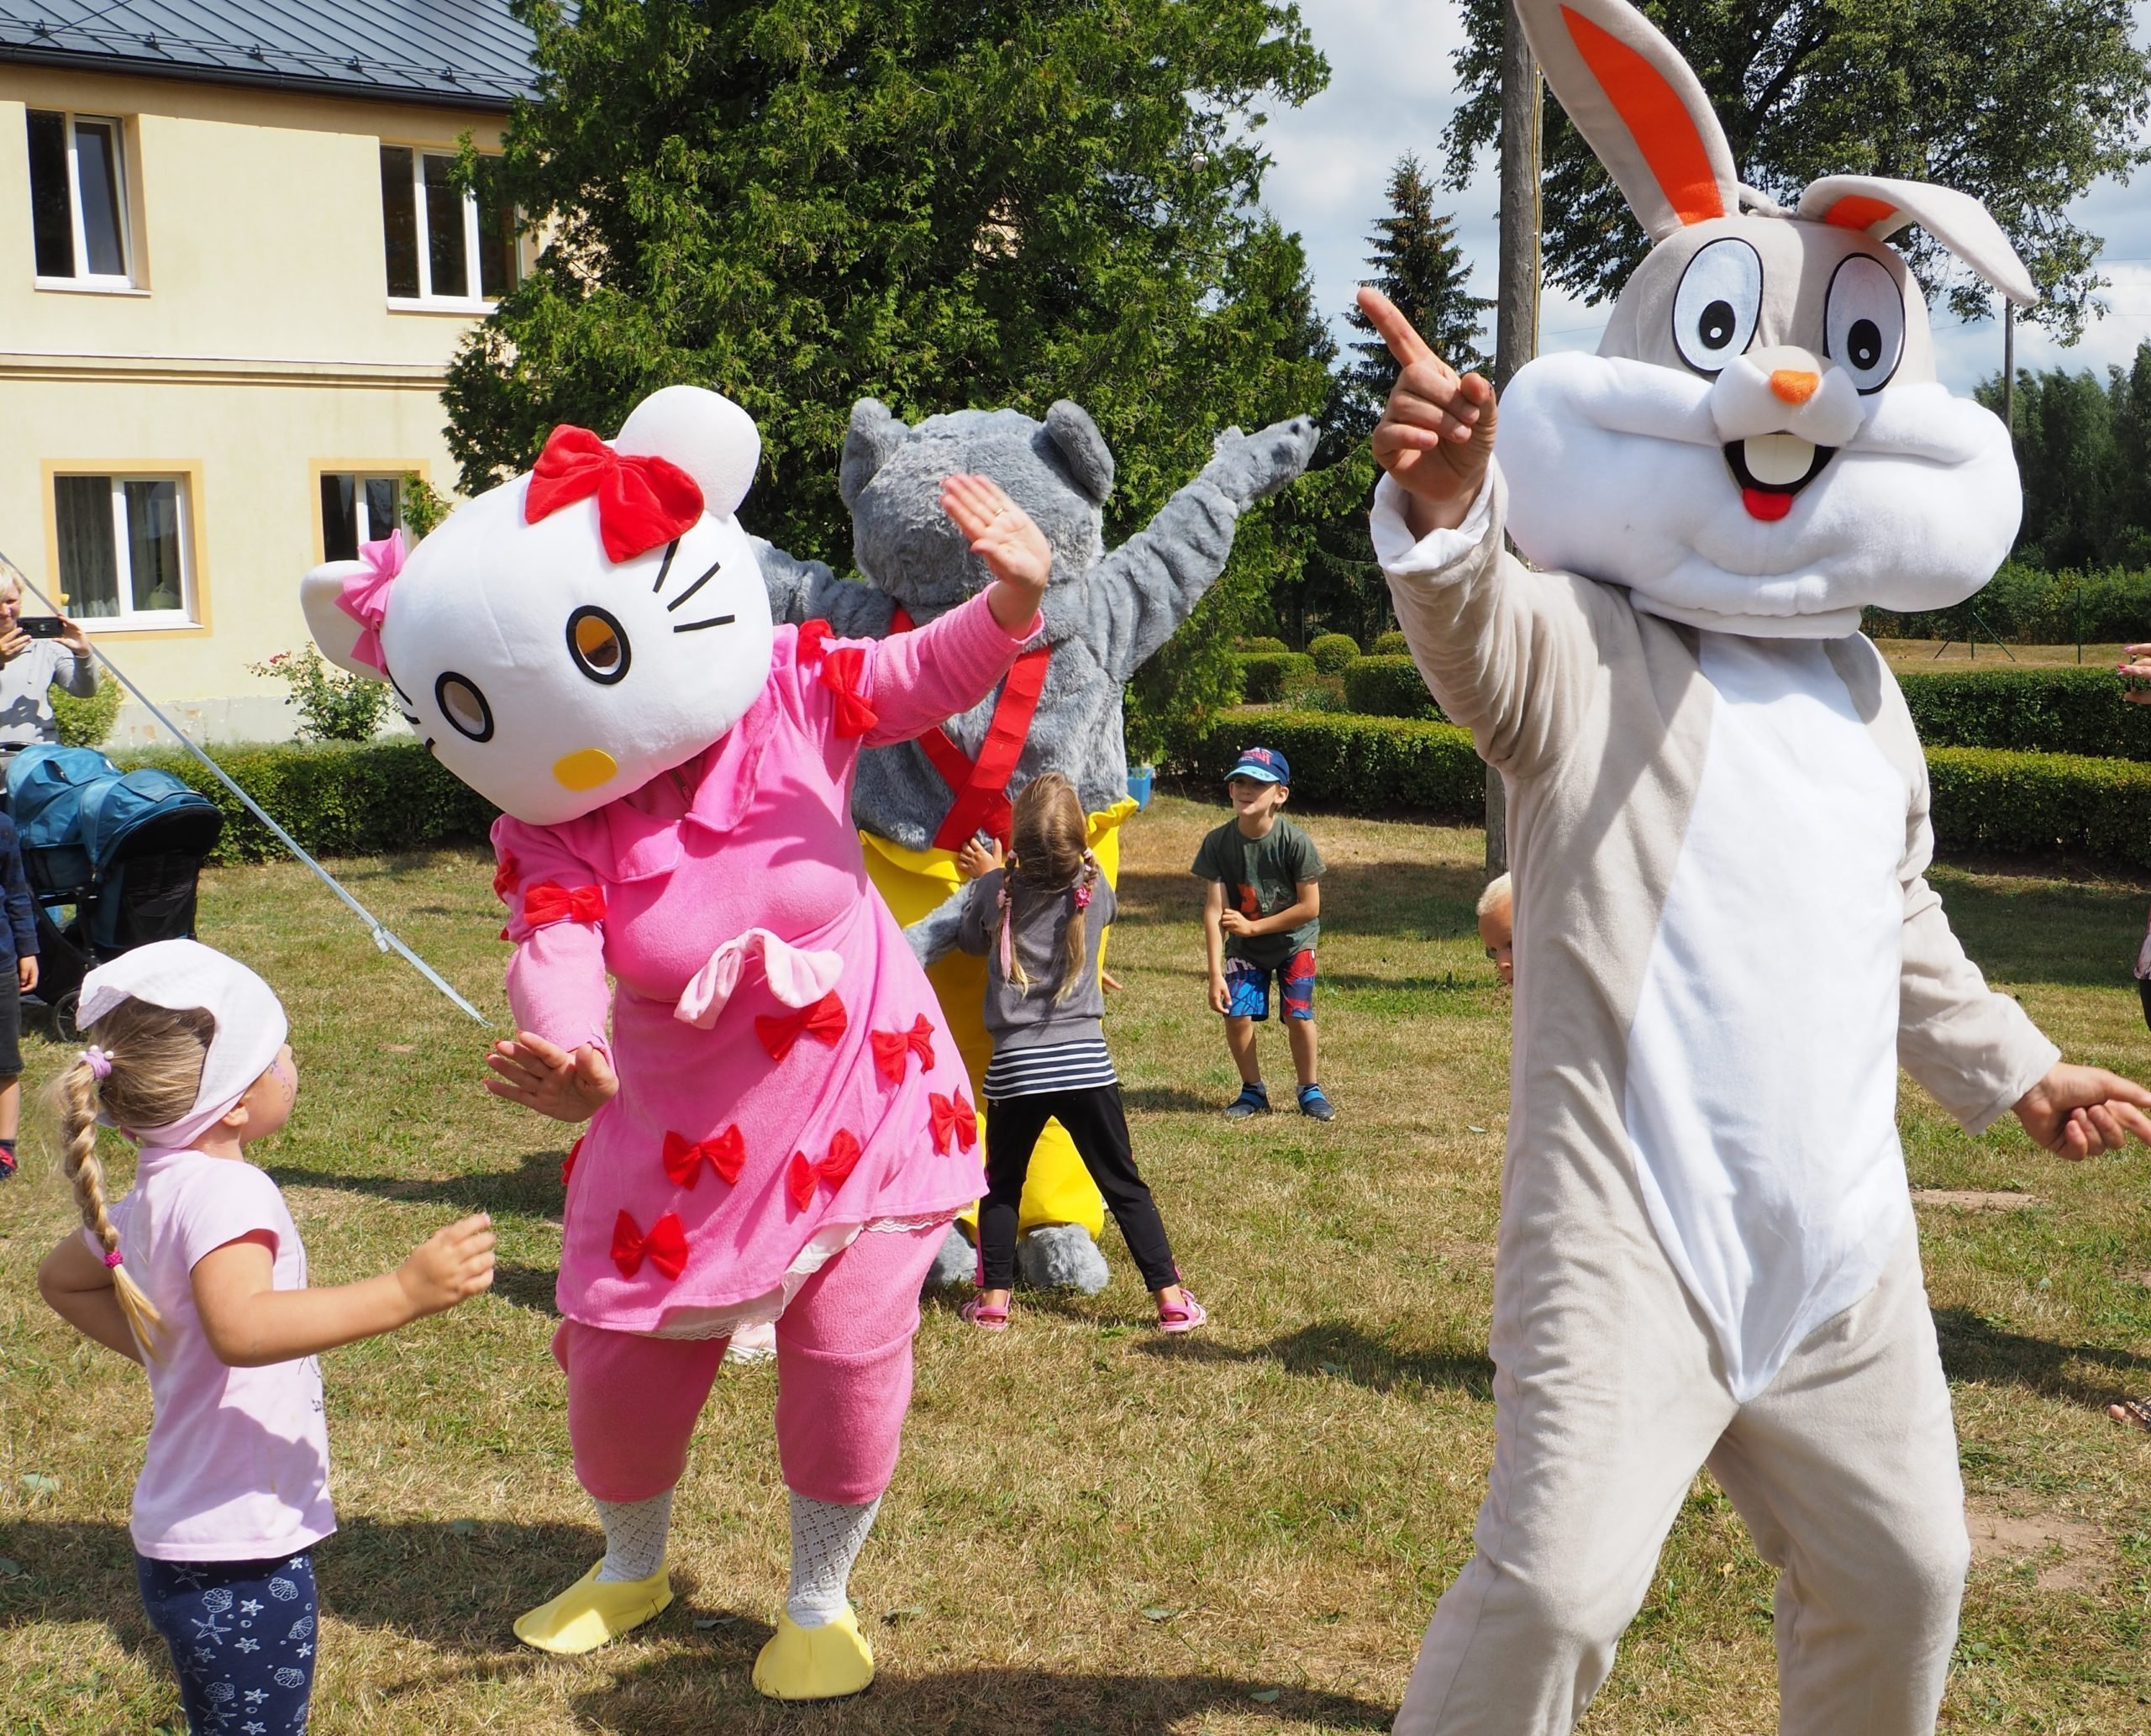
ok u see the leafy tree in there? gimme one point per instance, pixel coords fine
(942, 204)
(2022, 102)
(2084, 451)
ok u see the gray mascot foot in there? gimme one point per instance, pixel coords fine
(1061, 1256)
(955, 1263)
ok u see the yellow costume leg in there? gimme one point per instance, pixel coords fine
(914, 883)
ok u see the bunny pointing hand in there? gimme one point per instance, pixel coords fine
(1436, 436)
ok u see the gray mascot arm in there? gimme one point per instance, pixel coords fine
(957, 922)
(1140, 592)
(798, 589)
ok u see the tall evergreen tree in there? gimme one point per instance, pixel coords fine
(1416, 262)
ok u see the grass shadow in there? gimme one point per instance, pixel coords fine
(1170, 1099)
(1329, 1350)
(527, 1287)
(530, 1190)
(1973, 1348)
(1417, 900)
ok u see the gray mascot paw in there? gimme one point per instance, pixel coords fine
(933, 937)
(1061, 1256)
(954, 1263)
(1249, 467)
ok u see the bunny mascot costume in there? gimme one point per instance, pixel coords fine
(590, 647)
(1725, 944)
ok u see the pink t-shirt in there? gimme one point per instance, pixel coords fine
(238, 1464)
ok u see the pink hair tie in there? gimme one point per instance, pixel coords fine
(112, 1258)
(98, 1061)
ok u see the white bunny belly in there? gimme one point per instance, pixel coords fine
(1762, 1066)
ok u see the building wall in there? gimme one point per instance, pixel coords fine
(258, 349)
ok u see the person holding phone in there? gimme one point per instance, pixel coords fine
(34, 654)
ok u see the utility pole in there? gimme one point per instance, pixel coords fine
(2009, 367)
(1516, 305)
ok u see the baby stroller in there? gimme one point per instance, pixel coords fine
(111, 859)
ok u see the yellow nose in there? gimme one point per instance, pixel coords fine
(585, 769)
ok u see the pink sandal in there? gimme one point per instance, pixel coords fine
(987, 1317)
(1189, 1315)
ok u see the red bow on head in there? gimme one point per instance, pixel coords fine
(824, 1021)
(892, 1048)
(843, 1159)
(683, 1162)
(954, 1118)
(665, 1246)
(504, 876)
(842, 671)
(549, 901)
(642, 503)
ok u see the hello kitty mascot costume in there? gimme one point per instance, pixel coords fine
(1725, 942)
(782, 1129)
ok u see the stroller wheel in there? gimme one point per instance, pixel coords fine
(63, 1015)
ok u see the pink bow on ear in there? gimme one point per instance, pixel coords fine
(364, 595)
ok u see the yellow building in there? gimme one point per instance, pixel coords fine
(233, 267)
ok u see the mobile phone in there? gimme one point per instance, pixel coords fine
(42, 626)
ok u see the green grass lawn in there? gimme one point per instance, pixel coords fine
(1092, 1529)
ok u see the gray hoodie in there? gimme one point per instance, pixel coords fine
(1031, 1018)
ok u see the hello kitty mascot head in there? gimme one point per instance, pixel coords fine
(1760, 444)
(562, 639)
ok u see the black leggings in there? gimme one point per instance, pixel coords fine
(1095, 1121)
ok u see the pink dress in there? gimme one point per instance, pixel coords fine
(821, 1093)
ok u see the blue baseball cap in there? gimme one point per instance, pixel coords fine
(1265, 765)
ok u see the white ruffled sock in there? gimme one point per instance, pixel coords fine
(634, 1536)
(826, 1536)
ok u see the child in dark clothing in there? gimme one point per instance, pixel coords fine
(17, 977)
(1038, 919)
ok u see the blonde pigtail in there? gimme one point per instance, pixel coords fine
(1012, 957)
(1076, 937)
(85, 1173)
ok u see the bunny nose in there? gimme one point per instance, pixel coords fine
(1794, 385)
(585, 769)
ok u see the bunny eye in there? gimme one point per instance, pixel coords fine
(1864, 322)
(599, 645)
(463, 706)
(1718, 304)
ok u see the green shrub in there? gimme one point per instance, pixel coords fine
(1265, 675)
(334, 706)
(1385, 686)
(1333, 653)
(1261, 644)
(1359, 764)
(86, 722)
(342, 799)
(1320, 692)
(2027, 709)
(1389, 645)
(2042, 804)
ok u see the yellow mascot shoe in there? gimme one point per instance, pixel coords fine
(591, 1612)
(824, 1663)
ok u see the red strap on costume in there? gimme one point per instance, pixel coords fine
(642, 503)
(726, 1154)
(893, 1049)
(665, 1246)
(549, 902)
(834, 1169)
(824, 1021)
(954, 1120)
(981, 786)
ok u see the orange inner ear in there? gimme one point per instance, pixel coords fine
(1858, 211)
(1655, 117)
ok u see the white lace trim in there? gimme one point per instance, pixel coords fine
(765, 1309)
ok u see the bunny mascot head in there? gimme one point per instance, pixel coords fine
(562, 639)
(1760, 444)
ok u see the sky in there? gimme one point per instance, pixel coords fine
(1391, 90)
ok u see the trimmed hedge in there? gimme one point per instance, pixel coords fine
(2063, 709)
(336, 798)
(1389, 688)
(1361, 765)
(1389, 645)
(2041, 804)
(2029, 606)
(1265, 675)
(1333, 653)
(1260, 643)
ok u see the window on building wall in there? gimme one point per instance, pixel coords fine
(124, 553)
(357, 508)
(78, 199)
(445, 243)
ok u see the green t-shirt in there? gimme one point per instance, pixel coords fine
(1261, 876)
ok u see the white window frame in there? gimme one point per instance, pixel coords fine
(130, 618)
(426, 297)
(361, 513)
(103, 281)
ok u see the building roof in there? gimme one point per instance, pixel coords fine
(460, 53)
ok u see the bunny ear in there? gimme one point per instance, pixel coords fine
(1643, 114)
(1956, 220)
(335, 628)
(704, 433)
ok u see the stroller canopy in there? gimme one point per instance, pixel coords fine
(74, 800)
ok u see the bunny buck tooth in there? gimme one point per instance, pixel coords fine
(1778, 458)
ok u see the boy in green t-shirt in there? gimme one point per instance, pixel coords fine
(1260, 919)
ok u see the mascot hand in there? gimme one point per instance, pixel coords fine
(1251, 467)
(2076, 1111)
(1436, 436)
(544, 1076)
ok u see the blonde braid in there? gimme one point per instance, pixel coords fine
(1012, 955)
(85, 1172)
(1076, 937)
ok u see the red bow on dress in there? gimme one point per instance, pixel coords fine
(842, 672)
(954, 1118)
(504, 876)
(567, 1163)
(683, 1161)
(665, 1246)
(824, 1021)
(811, 635)
(549, 901)
(643, 502)
(843, 1159)
(891, 1048)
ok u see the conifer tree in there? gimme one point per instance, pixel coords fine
(1417, 263)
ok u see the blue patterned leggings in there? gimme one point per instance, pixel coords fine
(242, 1635)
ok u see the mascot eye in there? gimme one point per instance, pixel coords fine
(1864, 322)
(464, 706)
(1718, 304)
(599, 645)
